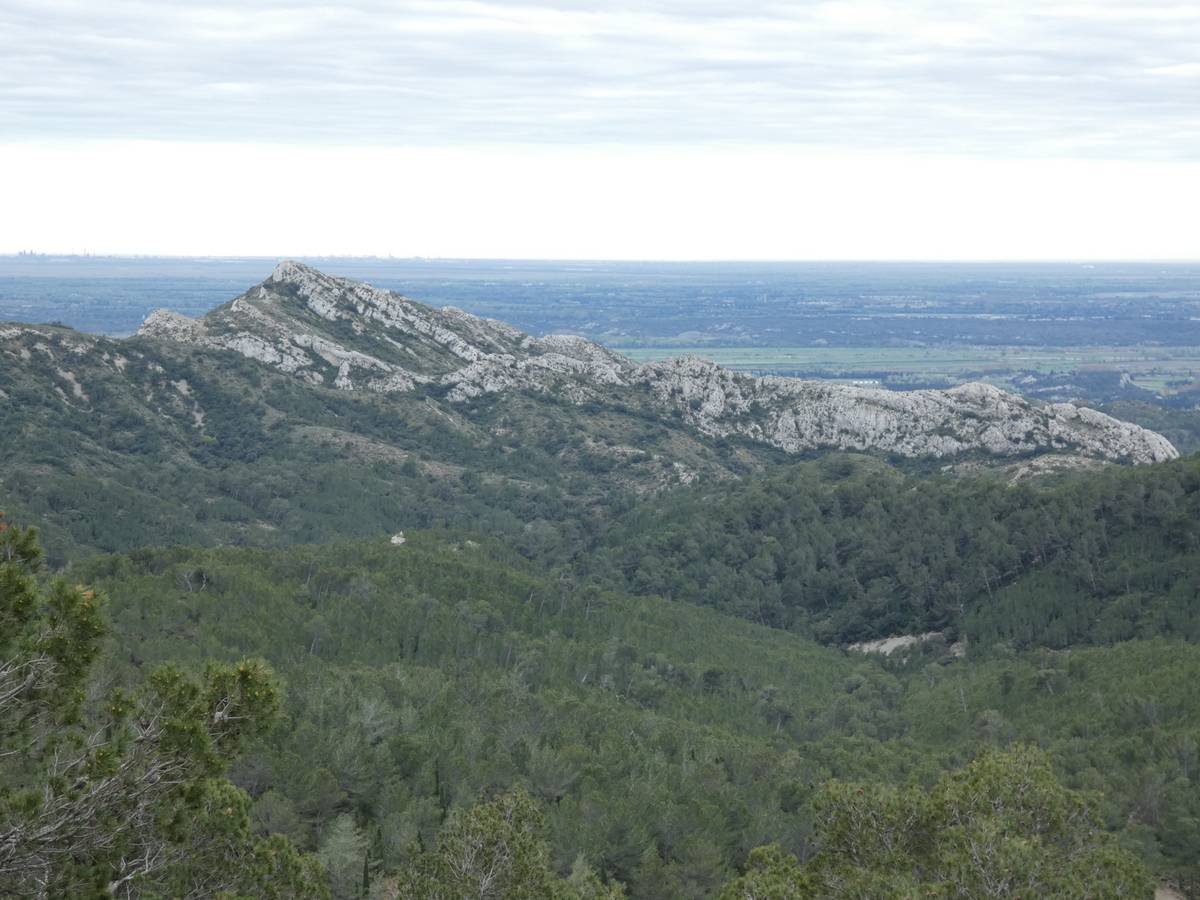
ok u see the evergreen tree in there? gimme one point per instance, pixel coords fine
(1001, 827)
(495, 851)
(127, 799)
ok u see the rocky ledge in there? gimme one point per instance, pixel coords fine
(797, 415)
(351, 336)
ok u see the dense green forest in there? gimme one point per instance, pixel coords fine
(661, 741)
(108, 792)
(847, 549)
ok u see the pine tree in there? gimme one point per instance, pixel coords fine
(127, 799)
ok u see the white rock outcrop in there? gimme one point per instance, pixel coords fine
(299, 321)
(889, 645)
(797, 415)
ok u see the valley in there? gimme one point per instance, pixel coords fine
(626, 596)
(507, 450)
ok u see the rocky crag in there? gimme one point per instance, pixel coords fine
(349, 336)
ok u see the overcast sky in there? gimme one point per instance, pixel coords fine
(652, 130)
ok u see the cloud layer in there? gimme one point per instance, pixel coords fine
(1111, 80)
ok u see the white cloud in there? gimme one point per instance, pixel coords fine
(1184, 70)
(630, 203)
(1018, 79)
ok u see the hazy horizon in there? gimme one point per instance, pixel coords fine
(314, 258)
(633, 300)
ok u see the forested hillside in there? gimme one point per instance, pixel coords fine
(662, 742)
(166, 444)
(847, 549)
(121, 791)
(312, 408)
(503, 616)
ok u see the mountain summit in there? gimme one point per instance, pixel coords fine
(346, 335)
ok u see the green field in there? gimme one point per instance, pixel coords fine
(1154, 368)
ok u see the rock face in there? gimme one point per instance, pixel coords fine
(797, 415)
(351, 336)
(888, 646)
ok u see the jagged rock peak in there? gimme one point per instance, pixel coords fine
(169, 324)
(293, 271)
(342, 333)
(351, 336)
(322, 291)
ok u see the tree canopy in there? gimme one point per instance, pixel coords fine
(121, 792)
(1001, 827)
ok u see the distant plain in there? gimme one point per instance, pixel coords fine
(1036, 327)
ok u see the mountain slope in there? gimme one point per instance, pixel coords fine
(312, 407)
(850, 550)
(663, 740)
(351, 336)
(112, 444)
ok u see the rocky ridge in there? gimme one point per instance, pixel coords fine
(351, 336)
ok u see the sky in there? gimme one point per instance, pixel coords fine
(656, 130)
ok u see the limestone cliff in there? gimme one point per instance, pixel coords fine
(351, 336)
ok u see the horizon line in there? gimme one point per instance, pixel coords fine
(200, 257)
